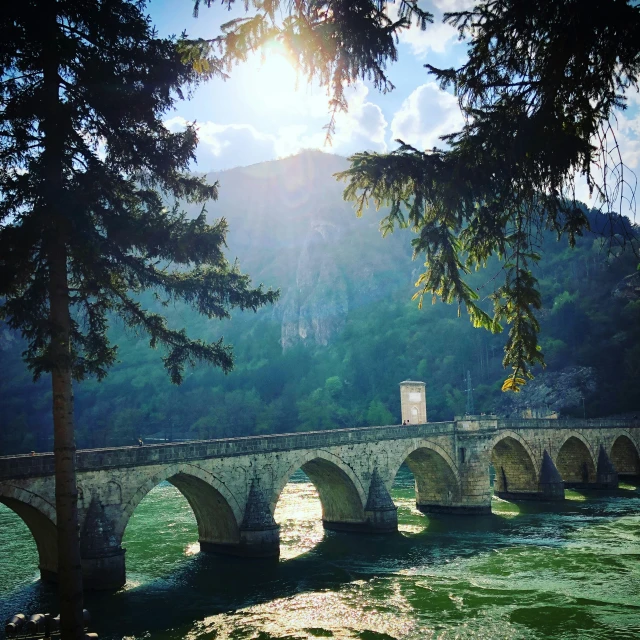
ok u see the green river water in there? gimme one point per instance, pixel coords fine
(526, 571)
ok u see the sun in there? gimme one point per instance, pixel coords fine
(276, 84)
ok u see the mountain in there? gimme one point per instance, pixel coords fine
(290, 228)
(345, 332)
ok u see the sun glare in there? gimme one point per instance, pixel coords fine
(277, 85)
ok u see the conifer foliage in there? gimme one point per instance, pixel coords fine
(538, 92)
(334, 42)
(88, 175)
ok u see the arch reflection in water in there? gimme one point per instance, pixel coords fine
(316, 493)
(410, 519)
(341, 495)
(217, 521)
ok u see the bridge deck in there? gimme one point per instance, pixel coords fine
(42, 464)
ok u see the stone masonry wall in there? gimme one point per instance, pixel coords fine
(624, 456)
(515, 470)
(233, 485)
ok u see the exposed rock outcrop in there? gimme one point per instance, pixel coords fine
(628, 287)
(316, 307)
(551, 392)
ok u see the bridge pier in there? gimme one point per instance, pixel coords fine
(233, 485)
(470, 494)
(550, 487)
(606, 474)
(103, 565)
(259, 534)
(254, 543)
(380, 512)
(380, 515)
(104, 573)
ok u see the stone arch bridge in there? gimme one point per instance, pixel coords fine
(233, 485)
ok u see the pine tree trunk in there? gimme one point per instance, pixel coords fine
(64, 447)
(55, 126)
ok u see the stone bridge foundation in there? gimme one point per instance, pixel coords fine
(233, 485)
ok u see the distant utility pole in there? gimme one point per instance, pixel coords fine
(470, 409)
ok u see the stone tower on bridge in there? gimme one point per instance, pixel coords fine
(413, 402)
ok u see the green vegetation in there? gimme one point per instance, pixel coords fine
(85, 231)
(538, 91)
(353, 381)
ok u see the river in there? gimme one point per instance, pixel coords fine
(526, 571)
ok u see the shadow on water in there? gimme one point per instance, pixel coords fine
(204, 585)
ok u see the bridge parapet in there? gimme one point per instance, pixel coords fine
(570, 423)
(42, 464)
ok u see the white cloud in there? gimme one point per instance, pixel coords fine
(222, 146)
(435, 38)
(627, 132)
(363, 126)
(425, 115)
(438, 36)
(454, 5)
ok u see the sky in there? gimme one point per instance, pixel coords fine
(262, 112)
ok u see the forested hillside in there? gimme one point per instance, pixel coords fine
(345, 332)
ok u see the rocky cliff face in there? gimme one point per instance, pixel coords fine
(291, 229)
(315, 307)
(551, 392)
(628, 288)
(340, 266)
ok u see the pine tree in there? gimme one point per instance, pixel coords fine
(538, 92)
(88, 178)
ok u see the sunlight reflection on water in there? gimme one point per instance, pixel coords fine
(570, 572)
(299, 514)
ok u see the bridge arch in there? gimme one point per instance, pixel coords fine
(625, 455)
(341, 493)
(215, 508)
(515, 464)
(575, 460)
(40, 516)
(437, 482)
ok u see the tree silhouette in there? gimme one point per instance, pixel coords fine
(88, 174)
